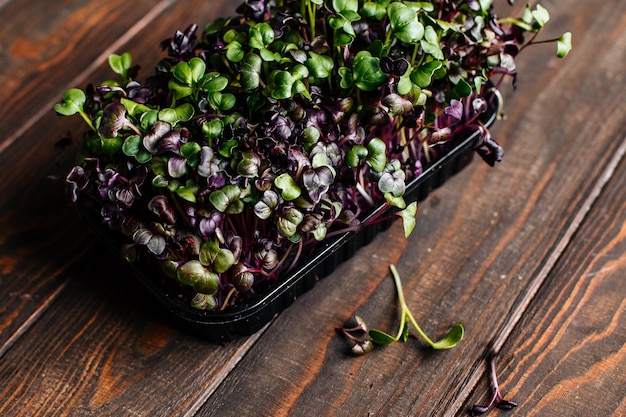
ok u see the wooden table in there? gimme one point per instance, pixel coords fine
(529, 255)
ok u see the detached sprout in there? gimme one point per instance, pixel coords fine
(379, 337)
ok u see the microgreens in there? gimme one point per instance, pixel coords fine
(356, 330)
(496, 398)
(263, 134)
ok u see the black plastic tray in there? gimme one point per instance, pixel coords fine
(246, 319)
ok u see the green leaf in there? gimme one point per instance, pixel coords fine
(73, 101)
(564, 45)
(191, 151)
(366, 72)
(541, 15)
(462, 89)
(250, 72)
(212, 129)
(430, 43)
(404, 23)
(182, 113)
(321, 66)
(134, 108)
(355, 155)
(381, 338)
(234, 52)
(288, 222)
(182, 73)
(227, 199)
(148, 119)
(375, 10)
(187, 193)
(343, 6)
(111, 146)
(288, 187)
(451, 339)
(395, 200)
(197, 67)
(261, 35)
(120, 64)
(213, 82)
(408, 218)
(194, 273)
(376, 157)
(228, 102)
(179, 90)
(345, 74)
(218, 259)
(281, 84)
(132, 146)
(422, 76)
(227, 147)
(426, 6)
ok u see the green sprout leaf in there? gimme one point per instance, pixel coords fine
(195, 274)
(182, 113)
(120, 64)
(376, 157)
(227, 199)
(217, 258)
(366, 72)
(541, 15)
(73, 101)
(133, 108)
(374, 9)
(408, 218)
(288, 222)
(451, 339)
(288, 187)
(381, 338)
(321, 66)
(564, 45)
(355, 155)
(132, 146)
(250, 72)
(404, 23)
(234, 51)
(422, 76)
(212, 129)
(213, 82)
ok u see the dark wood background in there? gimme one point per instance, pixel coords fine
(529, 255)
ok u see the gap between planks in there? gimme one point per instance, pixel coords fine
(540, 276)
(132, 32)
(84, 75)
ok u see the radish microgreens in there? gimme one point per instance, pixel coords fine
(262, 135)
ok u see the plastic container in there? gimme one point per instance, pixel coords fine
(246, 319)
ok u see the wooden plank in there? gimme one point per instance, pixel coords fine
(567, 356)
(482, 247)
(104, 349)
(46, 45)
(41, 235)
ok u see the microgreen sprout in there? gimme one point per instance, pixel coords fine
(360, 338)
(284, 126)
(451, 339)
(496, 398)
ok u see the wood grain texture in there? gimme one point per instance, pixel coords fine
(41, 236)
(567, 355)
(45, 47)
(479, 250)
(490, 250)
